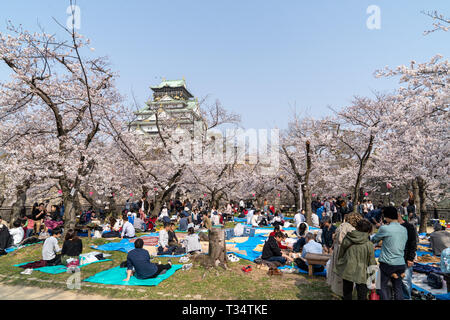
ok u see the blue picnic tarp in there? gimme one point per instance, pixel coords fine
(59, 268)
(115, 276)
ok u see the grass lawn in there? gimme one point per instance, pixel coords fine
(197, 283)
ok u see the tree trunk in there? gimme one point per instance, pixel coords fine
(362, 164)
(294, 192)
(305, 187)
(307, 203)
(423, 210)
(217, 248)
(71, 203)
(415, 188)
(21, 193)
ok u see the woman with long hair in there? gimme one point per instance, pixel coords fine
(72, 247)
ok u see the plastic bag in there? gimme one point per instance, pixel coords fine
(239, 230)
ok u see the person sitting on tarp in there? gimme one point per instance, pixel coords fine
(163, 242)
(184, 221)
(139, 224)
(128, 230)
(276, 220)
(5, 238)
(311, 246)
(374, 216)
(439, 239)
(173, 240)
(17, 233)
(138, 263)
(301, 233)
(192, 242)
(72, 247)
(51, 250)
(271, 250)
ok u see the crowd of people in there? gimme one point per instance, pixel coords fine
(348, 238)
(351, 244)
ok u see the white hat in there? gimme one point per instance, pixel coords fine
(186, 209)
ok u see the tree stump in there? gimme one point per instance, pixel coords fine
(217, 255)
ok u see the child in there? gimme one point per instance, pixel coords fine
(192, 241)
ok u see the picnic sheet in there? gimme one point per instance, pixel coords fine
(11, 249)
(116, 275)
(246, 250)
(419, 281)
(419, 253)
(126, 245)
(58, 269)
(323, 273)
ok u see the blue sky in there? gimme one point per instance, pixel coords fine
(261, 59)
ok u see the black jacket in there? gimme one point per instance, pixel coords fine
(146, 205)
(72, 248)
(411, 244)
(327, 236)
(271, 249)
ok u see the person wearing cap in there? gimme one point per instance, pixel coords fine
(392, 256)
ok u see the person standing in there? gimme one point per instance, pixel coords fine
(392, 256)
(356, 254)
(144, 205)
(410, 255)
(327, 235)
(349, 224)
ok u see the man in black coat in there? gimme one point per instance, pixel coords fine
(410, 254)
(271, 250)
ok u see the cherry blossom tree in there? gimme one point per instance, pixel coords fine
(51, 108)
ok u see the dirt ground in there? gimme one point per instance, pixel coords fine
(34, 293)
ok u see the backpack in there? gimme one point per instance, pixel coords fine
(434, 280)
(445, 260)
